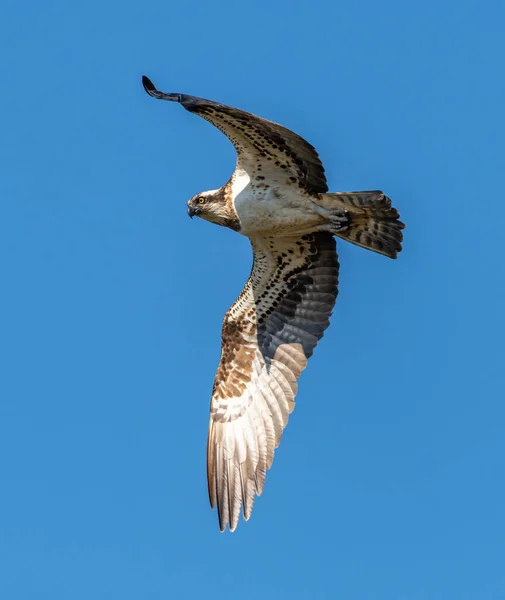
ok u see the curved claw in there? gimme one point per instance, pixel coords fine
(152, 91)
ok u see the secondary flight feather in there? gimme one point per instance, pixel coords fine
(277, 197)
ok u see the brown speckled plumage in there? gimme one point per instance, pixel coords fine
(278, 197)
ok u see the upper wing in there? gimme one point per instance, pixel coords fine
(263, 148)
(268, 335)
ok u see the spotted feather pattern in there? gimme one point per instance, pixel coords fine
(265, 150)
(268, 335)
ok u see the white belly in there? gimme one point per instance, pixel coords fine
(274, 210)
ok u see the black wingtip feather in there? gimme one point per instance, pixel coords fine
(155, 93)
(148, 85)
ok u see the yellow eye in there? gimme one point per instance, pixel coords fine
(201, 200)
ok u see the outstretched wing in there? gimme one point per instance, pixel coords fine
(268, 335)
(264, 149)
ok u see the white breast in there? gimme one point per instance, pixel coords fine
(265, 209)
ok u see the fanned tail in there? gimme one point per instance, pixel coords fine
(373, 223)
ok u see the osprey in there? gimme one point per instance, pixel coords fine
(278, 198)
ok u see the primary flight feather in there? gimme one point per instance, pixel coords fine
(277, 197)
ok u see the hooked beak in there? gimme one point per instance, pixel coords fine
(193, 210)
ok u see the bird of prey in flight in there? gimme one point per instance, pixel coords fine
(277, 197)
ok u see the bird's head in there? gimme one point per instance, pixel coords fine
(210, 206)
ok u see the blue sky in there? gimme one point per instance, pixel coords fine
(389, 483)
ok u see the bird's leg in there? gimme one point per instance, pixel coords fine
(338, 220)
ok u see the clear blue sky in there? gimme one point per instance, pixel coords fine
(389, 483)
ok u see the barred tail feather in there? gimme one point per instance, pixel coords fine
(373, 223)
